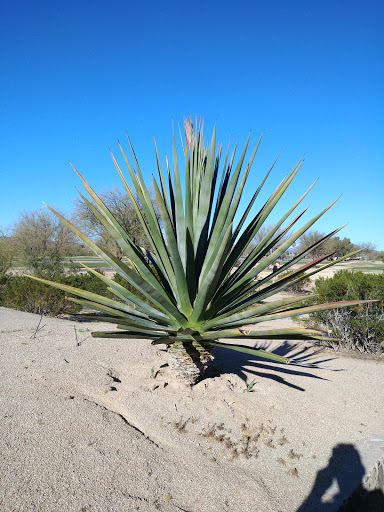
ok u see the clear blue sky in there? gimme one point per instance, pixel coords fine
(75, 76)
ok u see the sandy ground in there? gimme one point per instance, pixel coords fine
(86, 428)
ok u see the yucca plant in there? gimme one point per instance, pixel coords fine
(198, 292)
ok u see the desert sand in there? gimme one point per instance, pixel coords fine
(86, 426)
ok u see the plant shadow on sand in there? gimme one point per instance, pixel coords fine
(302, 358)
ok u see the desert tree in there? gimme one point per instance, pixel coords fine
(265, 233)
(370, 251)
(7, 250)
(41, 241)
(121, 207)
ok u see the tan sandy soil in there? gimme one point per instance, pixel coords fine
(85, 428)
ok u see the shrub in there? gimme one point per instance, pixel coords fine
(20, 292)
(35, 297)
(360, 327)
(87, 281)
(5, 261)
(7, 252)
(3, 279)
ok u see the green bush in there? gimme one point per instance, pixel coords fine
(87, 281)
(361, 327)
(3, 279)
(24, 294)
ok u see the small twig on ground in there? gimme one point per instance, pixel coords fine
(38, 328)
(77, 340)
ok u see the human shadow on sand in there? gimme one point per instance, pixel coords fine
(302, 359)
(338, 486)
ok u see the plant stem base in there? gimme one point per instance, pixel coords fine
(188, 361)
